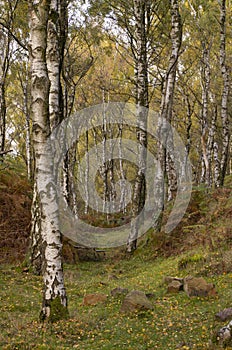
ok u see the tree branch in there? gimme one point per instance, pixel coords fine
(13, 36)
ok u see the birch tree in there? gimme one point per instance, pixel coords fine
(141, 76)
(166, 110)
(5, 59)
(54, 299)
(225, 92)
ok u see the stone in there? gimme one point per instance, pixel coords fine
(198, 286)
(136, 301)
(169, 279)
(224, 315)
(118, 291)
(175, 286)
(94, 299)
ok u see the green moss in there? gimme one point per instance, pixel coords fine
(57, 311)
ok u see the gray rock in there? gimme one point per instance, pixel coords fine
(169, 279)
(175, 286)
(198, 286)
(118, 291)
(224, 315)
(136, 301)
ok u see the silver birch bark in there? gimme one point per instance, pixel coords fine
(69, 190)
(26, 111)
(205, 83)
(210, 142)
(54, 299)
(56, 32)
(217, 164)
(225, 93)
(140, 8)
(4, 67)
(122, 172)
(87, 173)
(176, 39)
(166, 109)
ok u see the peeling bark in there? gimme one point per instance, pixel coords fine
(44, 173)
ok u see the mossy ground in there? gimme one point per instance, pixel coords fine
(176, 321)
(196, 247)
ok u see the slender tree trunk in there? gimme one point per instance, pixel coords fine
(26, 110)
(166, 109)
(205, 176)
(217, 164)
(56, 33)
(69, 189)
(141, 101)
(122, 172)
(5, 62)
(87, 173)
(54, 300)
(225, 94)
(210, 142)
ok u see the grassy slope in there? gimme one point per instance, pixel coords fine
(176, 321)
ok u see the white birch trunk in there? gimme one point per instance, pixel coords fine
(54, 300)
(87, 174)
(4, 67)
(217, 164)
(122, 177)
(225, 93)
(166, 110)
(205, 82)
(141, 101)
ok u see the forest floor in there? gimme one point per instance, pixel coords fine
(200, 246)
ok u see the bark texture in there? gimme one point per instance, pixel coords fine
(141, 75)
(54, 300)
(225, 93)
(167, 170)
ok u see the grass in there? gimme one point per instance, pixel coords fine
(177, 322)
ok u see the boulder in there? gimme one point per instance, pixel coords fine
(118, 291)
(94, 299)
(136, 301)
(198, 286)
(175, 286)
(169, 279)
(224, 315)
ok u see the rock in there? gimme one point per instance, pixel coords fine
(197, 286)
(225, 314)
(175, 286)
(136, 301)
(224, 335)
(94, 299)
(168, 279)
(118, 291)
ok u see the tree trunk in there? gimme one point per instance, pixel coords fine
(5, 62)
(205, 80)
(56, 33)
(166, 111)
(225, 94)
(54, 300)
(141, 102)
